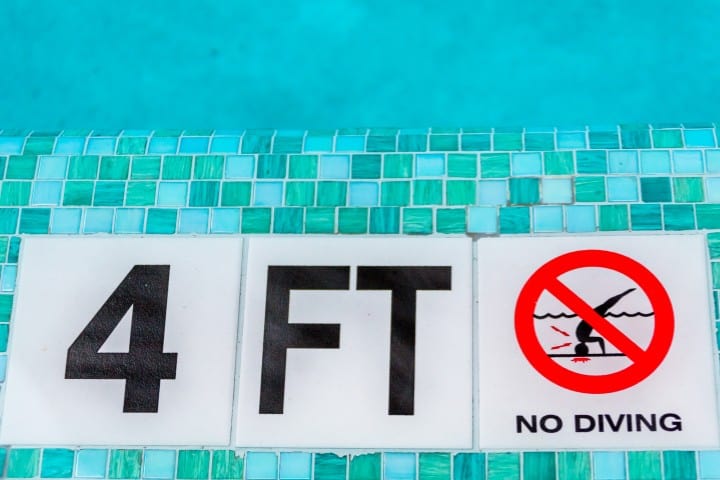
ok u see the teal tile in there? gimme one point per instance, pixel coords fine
(708, 216)
(460, 192)
(514, 220)
(256, 143)
(395, 194)
(428, 192)
(331, 194)
(434, 466)
(398, 166)
(412, 143)
(287, 144)
(177, 167)
(21, 167)
(384, 143)
(535, 142)
(507, 141)
(679, 465)
(8, 220)
(524, 191)
(574, 466)
(678, 217)
(256, 220)
(655, 189)
(366, 166)
(193, 464)
(209, 167)
(645, 217)
(320, 220)
(366, 466)
(635, 136)
(303, 166)
(475, 142)
(329, 466)
(125, 464)
(667, 138)
(450, 220)
(288, 220)
(385, 220)
(469, 466)
(503, 466)
(114, 168)
(613, 218)
(539, 465)
(271, 166)
(494, 165)
(353, 220)
(607, 139)
(559, 163)
(444, 143)
(462, 165)
(109, 194)
(644, 466)
(420, 221)
(227, 465)
(161, 220)
(23, 462)
(57, 463)
(236, 194)
(145, 168)
(35, 220)
(300, 194)
(591, 161)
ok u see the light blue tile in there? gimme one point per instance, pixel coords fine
(622, 161)
(268, 194)
(51, 167)
(172, 194)
(11, 145)
(526, 164)
(163, 145)
(159, 464)
(363, 194)
(3, 367)
(100, 146)
(712, 190)
(709, 465)
(482, 220)
(225, 220)
(609, 465)
(9, 272)
(98, 220)
(429, 164)
(69, 145)
(687, 161)
(66, 220)
(240, 166)
(492, 192)
(580, 218)
(225, 145)
(194, 220)
(713, 161)
(46, 193)
(295, 466)
(556, 190)
(399, 466)
(571, 140)
(318, 144)
(194, 144)
(654, 161)
(699, 138)
(622, 189)
(350, 143)
(547, 219)
(91, 463)
(129, 220)
(261, 466)
(334, 166)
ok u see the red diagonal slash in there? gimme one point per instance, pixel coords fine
(602, 326)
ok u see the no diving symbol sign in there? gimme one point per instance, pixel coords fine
(595, 344)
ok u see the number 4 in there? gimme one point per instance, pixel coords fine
(145, 289)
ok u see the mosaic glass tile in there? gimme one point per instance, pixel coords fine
(91, 463)
(573, 466)
(558, 163)
(125, 464)
(23, 462)
(591, 161)
(193, 464)
(644, 465)
(495, 165)
(226, 464)
(503, 466)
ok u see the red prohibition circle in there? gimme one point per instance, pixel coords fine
(646, 361)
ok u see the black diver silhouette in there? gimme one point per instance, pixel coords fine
(584, 329)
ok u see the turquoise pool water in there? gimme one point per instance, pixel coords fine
(322, 63)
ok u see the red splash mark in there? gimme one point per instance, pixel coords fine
(561, 346)
(580, 359)
(562, 332)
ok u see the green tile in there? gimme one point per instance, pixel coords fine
(715, 268)
(3, 249)
(125, 464)
(591, 161)
(209, 167)
(450, 220)
(287, 144)
(688, 189)
(331, 194)
(256, 143)
(145, 168)
(708, 216)
(140, 194)
(329, 466)
(161, 220)
(256, 220)
(320, 220)
(227, 465)
(35, 220)
(395, 194)
(434, 466)
(365, 467)
(679, 217)
(6, 304)
(8, 220)
(288, 220)
(385, 220)
(14, 250)
(494, 165)
(507, 141)
(469, 466)
(412, 143)
(574, 466)
(4, 330)
(667, 138)
(655, 189)
(460, 192)
(133, 145)
(366, 166)
(537, 142)
(462, 165)
(613, 218)
(679, 465)
(539, 465)
(398, 165)
(39, 145)
(714, 245)
(204, 194)
(634, 136)
(114, 168)
(353, 220)
(83, 167)
(558, 163)
(23, 462)
(589, 189)
(109, 194)
(236, 194)
(475, 142)
(417, 221)
(444, 143)
(193, 464)
(644, 466)
(524, 191)
(77, 193)
(177, 167)
(427, 192)
(271, 166)
(303, 166)
(21, 167)
(377, 143)
(645, 217)
(604, 139)
(57, 463)
(503, 466)
(300, 194)
(514, 220)
(15, 193)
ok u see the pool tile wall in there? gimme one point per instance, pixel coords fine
(474, 181)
